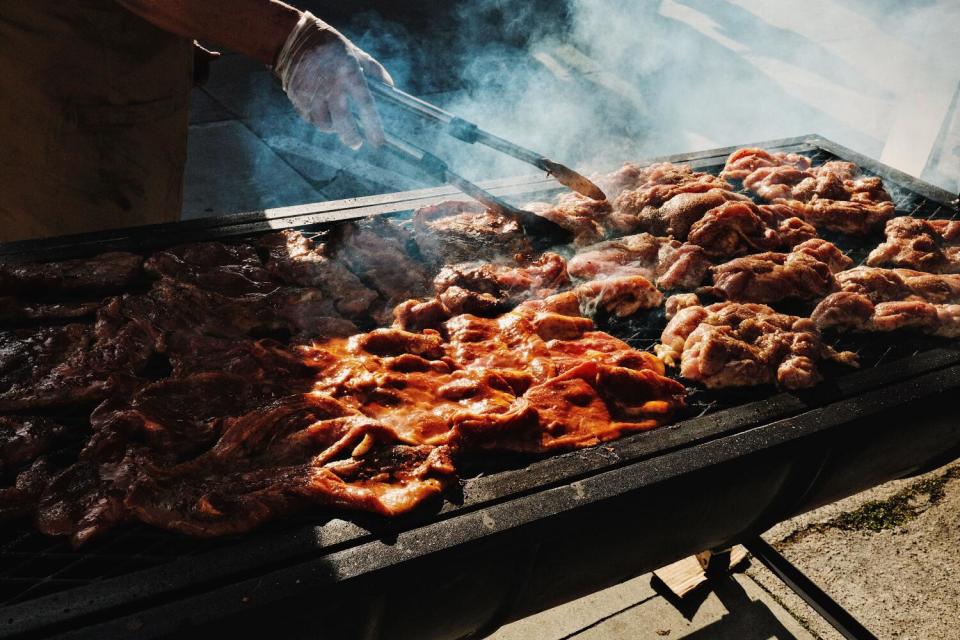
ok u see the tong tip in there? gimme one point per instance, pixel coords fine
(570, 178)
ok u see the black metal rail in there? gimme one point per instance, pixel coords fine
(737, 464)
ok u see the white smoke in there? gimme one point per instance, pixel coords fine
(635, 79)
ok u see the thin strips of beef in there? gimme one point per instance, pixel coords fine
(104, 273)
(230, 270)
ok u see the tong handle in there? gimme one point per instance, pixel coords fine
(439, 169)
(456, 126)
(470, 133)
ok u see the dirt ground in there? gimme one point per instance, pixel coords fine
(891, 556)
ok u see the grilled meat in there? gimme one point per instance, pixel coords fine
(378, 252)
(17, 312)
(659, 183)
(777, 183)
(295, 259)
(679, 301)
(856, 312)
(172, 306)
(734, 229)
(731, 344)
(230, 270)
(454, 231)
(667, 262)
(833, 196)
(107, 272)
(23, 439)
(583, 217)
(19, 500)
(675, 217)
(806, 273)
(875, 299)
(67, 365)
(924, 245)
(620, 296)
(742, 162)
(886, 285)
(486, 288)
(844, 216)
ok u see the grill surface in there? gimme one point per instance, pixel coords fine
(44, 574)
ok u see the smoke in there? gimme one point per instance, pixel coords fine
(592, 83)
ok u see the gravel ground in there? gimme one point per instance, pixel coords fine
(890, 555)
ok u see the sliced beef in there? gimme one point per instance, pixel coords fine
(230, 270)
(107, 272)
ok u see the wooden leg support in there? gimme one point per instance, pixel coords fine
(683, 576)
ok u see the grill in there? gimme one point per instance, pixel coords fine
(524, 534)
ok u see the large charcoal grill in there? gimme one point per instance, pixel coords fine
(530, 535)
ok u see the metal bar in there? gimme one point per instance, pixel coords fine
(838, 617)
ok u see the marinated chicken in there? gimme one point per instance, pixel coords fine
(924, 245)
(739, 228)
(731, 344)
(806, 273)
(586, 219)
(667, 262)
(857, 312)
(379, 252)
(657, 184)
(886, 285)
(489, 288)
(833, 195)
(876, 299)
(454, 231)
(675, 217)
(742, 162)
(294, 259)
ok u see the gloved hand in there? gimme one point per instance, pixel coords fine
(322, 72)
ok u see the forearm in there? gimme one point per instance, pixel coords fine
(256, 28)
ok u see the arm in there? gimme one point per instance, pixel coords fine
(321, 70)
(255, 28)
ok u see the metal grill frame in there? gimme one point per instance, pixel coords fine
(521, 495)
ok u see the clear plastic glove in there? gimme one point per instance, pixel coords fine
(322, 73)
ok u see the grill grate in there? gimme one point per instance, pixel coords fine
(33, 565)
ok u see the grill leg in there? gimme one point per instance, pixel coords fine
(829, 610)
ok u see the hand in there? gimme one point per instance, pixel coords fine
(322, 73)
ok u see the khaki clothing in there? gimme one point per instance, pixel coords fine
(93, 118)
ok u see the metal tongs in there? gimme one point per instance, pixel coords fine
(434, 166)
(470, 133)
